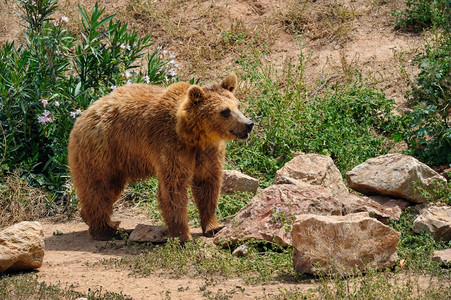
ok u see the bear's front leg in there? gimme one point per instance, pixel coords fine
(206, 186)
(173, 202)
(206, 194)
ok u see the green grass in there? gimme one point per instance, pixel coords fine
(27, 286)
(204, 260)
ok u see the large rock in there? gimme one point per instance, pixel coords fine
(270, 214)
(393, 175)
(380, 207)
(234, 181)
(342, 244)
(312, 169)
(436, 220)
(21, 247)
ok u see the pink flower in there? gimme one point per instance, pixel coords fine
(56, 103)
(44, 102)
(45, 118)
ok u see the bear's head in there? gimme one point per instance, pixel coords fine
(212, 114)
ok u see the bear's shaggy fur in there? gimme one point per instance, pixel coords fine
(175, 133)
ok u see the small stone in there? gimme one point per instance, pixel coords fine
(241, 251)
(435, 220)
(149, 233)
(234, 181)
(443, 256)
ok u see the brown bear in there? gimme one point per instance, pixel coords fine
(177, 134)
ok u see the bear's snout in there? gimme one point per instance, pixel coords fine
(249, 126)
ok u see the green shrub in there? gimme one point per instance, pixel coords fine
(47, 80)
(348, 121)
(423, 14)
(428, 133)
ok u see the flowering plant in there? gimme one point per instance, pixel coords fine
(47, 81)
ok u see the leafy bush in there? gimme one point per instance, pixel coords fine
(429, 132)
(347, 121)
(53, 75)
(422, 14)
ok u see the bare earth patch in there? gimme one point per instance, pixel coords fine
(70, 259)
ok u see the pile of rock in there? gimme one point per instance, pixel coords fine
(310, 208)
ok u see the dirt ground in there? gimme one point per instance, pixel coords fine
(71, 256)
(367, 41)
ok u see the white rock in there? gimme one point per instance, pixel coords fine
(22, 247)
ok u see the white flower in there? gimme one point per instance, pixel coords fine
(146, 79)
(64, 19)
(113, 87)
(125, 46)
(46, 113)
(56, 23)
(165, 52)
(44, 102)
(172, 63)
(129, 82)
(127, 74)
(77, 112)
(172, 72)
(56, 103)
(72, 114)
(172, 56)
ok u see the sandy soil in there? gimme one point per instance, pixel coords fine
(70, 260)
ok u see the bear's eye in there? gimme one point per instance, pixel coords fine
(225, 113)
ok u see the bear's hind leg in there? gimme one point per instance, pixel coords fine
(97, 209)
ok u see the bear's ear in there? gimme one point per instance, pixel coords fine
(195, 94)
(229, 83)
